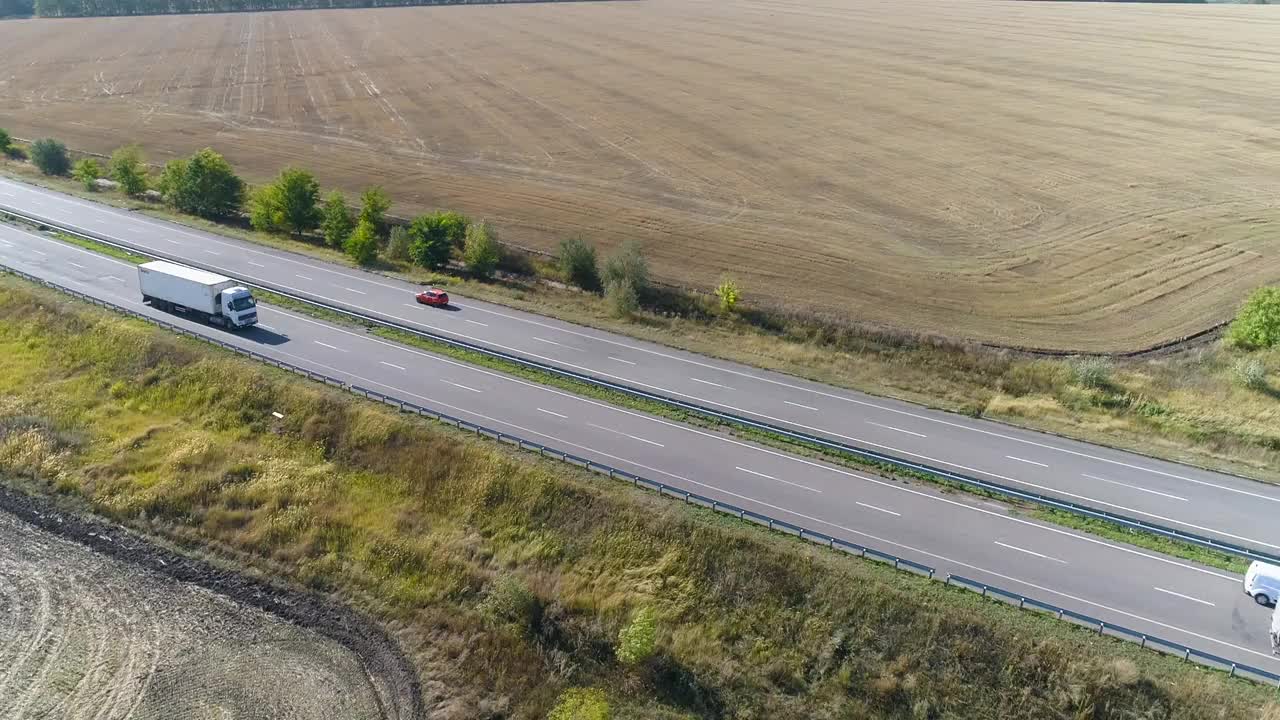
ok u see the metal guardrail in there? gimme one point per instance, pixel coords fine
(1145, 640)
(807, 438)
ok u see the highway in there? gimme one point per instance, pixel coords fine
(1212, 504)
(969, 536)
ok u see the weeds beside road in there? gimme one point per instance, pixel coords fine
(509, 579)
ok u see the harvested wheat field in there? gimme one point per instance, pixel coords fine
(1085, 176)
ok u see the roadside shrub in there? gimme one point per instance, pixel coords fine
(128, 169)
(362, 246)
(481, 251)
(6, 142)
(87, 171)
(203, 185)
(628, 265)
(728, 293)
(578, 265)
(510, 602)
(432, 238)
(639, 639)
(289, 204)
(374, 205)
(581, 704)
(1251, 373)
(1257, 325)
(336, 223)
(622, 297)
(1093, 372)
(50, 156)
(398, 244)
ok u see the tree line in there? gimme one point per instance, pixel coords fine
(91, 8)
(293, 204)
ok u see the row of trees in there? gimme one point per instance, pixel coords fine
(89, 8)
(206, 185)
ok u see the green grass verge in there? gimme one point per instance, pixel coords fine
(509, 579)
(1101, 528)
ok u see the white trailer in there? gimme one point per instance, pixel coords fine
(213, 298)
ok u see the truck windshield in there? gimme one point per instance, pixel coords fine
(244, 302)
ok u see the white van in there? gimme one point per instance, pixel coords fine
(1262, 583)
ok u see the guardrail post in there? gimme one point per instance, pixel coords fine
(1101, 626)
(1143, 644)
(770, 523)
(1059, 613)
(686, 498)
(1186, 655)
(896, 564)
(984, 591)
(1022, 603)
(1233, 670)
(930, 573)
(742, 514)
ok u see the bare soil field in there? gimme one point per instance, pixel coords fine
(1090, 176)
(83, 635)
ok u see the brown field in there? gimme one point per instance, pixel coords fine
(1086, 176)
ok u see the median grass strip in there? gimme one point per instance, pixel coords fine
(514, 582)
(1102, 528)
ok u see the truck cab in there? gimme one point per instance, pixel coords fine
(239, 307)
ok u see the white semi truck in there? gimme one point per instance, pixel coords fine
(215, 299)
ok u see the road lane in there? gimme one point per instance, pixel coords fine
(1191, 499)
(953, 533)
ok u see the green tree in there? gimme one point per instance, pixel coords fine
(578, 264)
(87, 171)
(290, 203)
(6, 142)
(481, 250)
(128, 169)
(728, 293)
(1257, 325)
(454, 227)
(203, 185)
(362, 246)
(638, 640)
(374, 205)
(398, 244)
(430, 243)
(50, 156)
(337, 223)
(628, 264)
(581, 704)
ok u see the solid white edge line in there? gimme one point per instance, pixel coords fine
(1185, 597)
(1031, 552)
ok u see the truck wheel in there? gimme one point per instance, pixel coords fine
(1262, 599)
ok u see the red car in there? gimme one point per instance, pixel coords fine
(432, 296)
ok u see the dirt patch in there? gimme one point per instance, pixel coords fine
(96, 622)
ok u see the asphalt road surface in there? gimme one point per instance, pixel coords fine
(1212, 504)
(1144, 591)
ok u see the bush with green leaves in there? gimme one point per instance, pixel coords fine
(622, 298)
(362, 246)
(639, 639)
(432, 238)
(6, 142)
(578, 264)
(374, 205)
(336, 222)
(87, 171)
(398, 244)
(481, 250)
(1257, 325)
(50, 156)
(203, 185)
(581, 704)
(1091, 372)
(728, 293)
(510, 602)
(128, 170)
(628, 264)
(290, 204)
(1251, 373)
